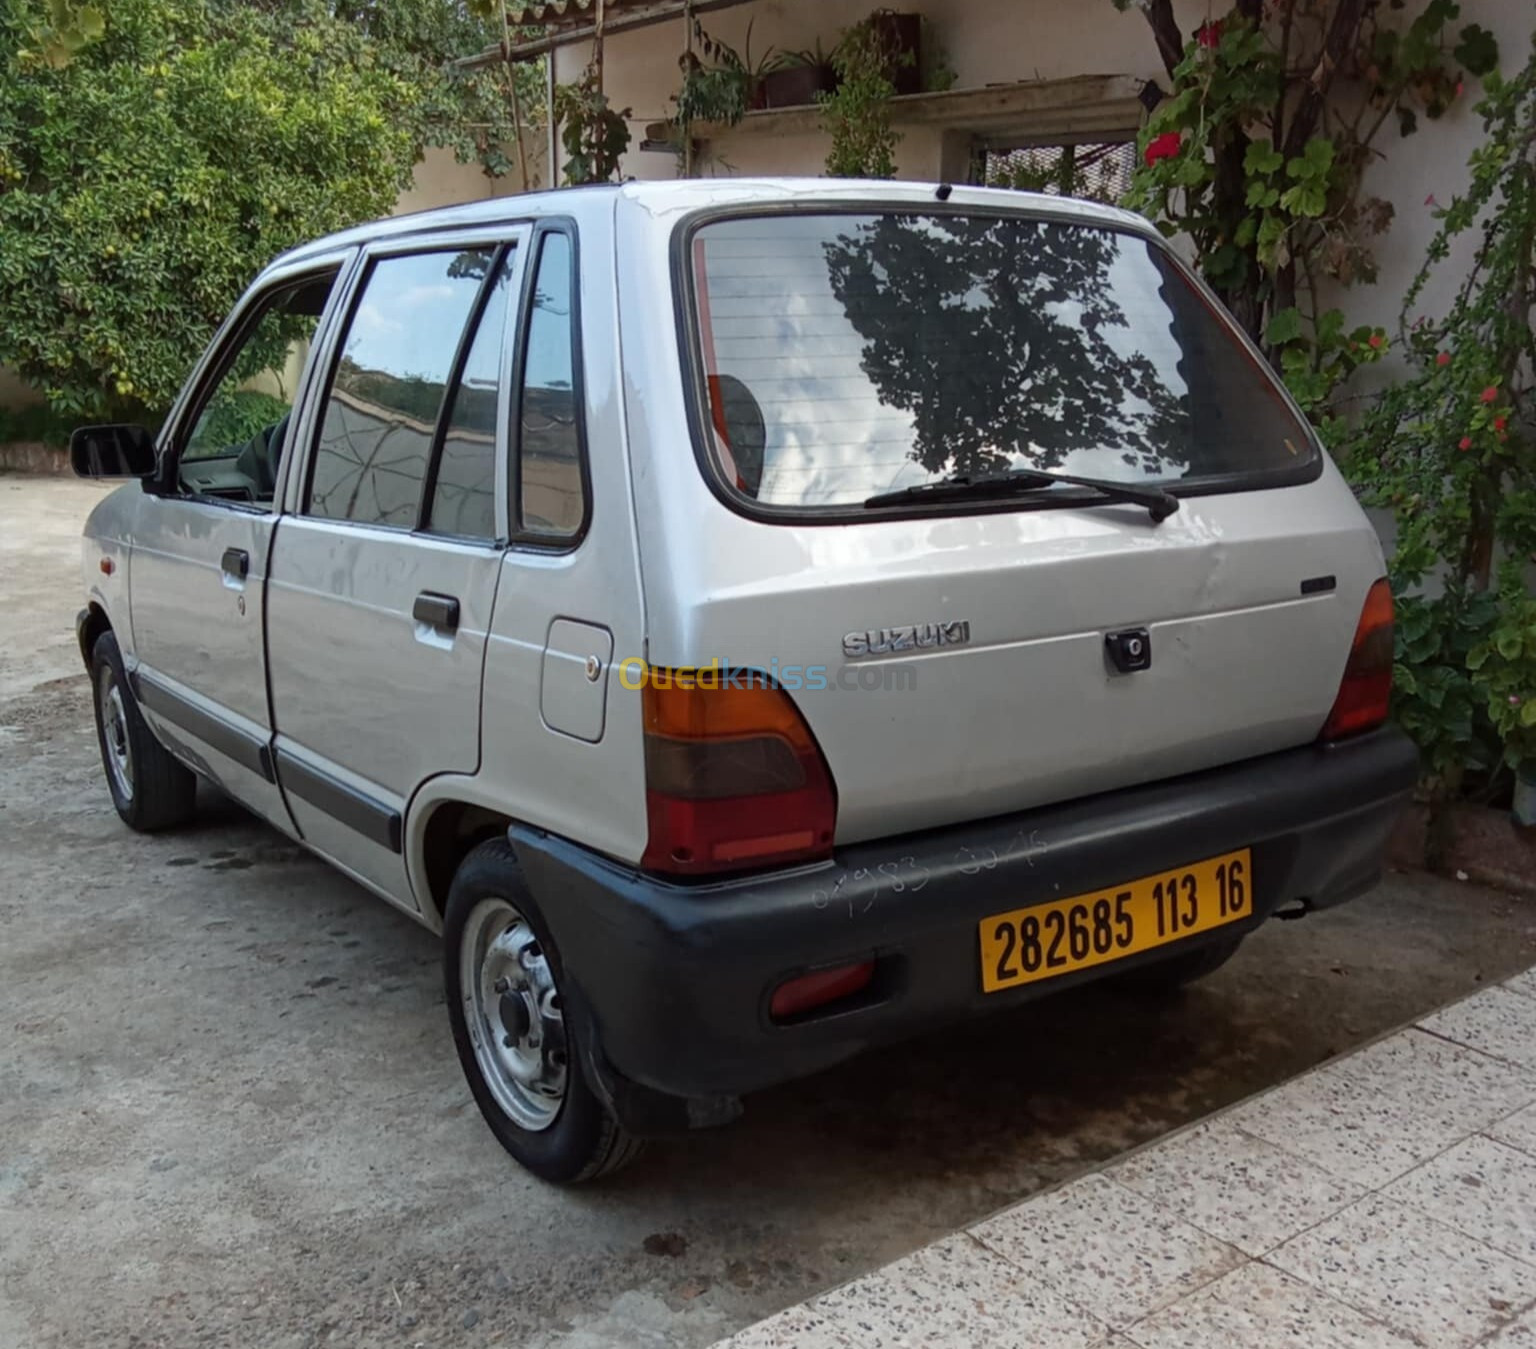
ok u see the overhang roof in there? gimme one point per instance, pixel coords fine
(566, 21)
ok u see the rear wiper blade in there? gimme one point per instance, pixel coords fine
(1159, 502)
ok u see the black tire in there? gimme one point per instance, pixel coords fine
(583, 1141)
(156, 791)
(1172, 974)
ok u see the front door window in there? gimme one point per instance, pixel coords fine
(238, 439)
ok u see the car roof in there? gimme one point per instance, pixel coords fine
(688, 195)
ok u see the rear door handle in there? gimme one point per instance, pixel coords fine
(439, 611)
(237, 563)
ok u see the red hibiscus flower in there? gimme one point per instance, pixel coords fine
(1162, 147)
(1444, 358)
(1466, 443)
(1499, 423)
(1208, 35)
(1489, 394)
(1376, 341)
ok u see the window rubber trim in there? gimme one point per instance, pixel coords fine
(695, 394)
(532, 540)
(359, 288)
(524, 538)
(451, 391)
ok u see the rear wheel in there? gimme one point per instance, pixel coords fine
(150, 787)
(512, 1027)
(1167, 976)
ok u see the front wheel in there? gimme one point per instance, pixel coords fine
(512, 1027)
(150, 787)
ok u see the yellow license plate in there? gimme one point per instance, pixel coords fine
(1066, 935)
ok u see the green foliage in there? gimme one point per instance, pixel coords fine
(1317, 358)
(145, 181)
(856, 115)
(234, 416)
(1255, 160)
(468, 112)
(718, 83)
(35, 422)
(710, 94)
(65, 30)
(594, 135)
(1452, 451)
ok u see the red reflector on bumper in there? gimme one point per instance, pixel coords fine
(806, 991)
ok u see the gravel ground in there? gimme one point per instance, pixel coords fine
(230, 1112)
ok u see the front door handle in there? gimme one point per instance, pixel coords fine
(438, 611)
(237, 563)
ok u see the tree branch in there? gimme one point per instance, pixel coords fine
(1343, 29)
(1165, 32)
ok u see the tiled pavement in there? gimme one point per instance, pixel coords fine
(1387, 1198)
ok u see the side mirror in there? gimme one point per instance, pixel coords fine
(112, 452)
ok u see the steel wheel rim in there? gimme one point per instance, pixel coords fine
(513, 1013)
(114, 734)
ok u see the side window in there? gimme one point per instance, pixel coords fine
(464, 490)
(551, 498)
(237, 441)
(387, 389)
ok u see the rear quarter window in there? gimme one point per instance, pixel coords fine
(845, 355)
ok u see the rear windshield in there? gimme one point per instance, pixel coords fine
(848, 355)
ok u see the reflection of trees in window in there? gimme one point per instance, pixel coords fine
(991, 335)
(472, 264)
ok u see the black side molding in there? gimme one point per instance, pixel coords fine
(245, 749)
(357, 810)
(1318, 585)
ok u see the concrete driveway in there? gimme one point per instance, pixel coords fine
(230, 1112)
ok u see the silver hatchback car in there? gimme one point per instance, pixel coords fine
(751, 621)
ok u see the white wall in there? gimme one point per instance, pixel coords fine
(440, 180)
(1433, 162)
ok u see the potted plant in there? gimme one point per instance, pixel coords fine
(593, 133)
(798, 78)
(900, 36)
(719, 83)
(857, 114)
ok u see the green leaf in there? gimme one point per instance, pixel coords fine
(1285, 326)
(1478, 49)
(1509, 644)
(1528, 712)
(1330, 325)
(1261, 157)
(1307, 199)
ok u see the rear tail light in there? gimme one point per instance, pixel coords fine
(809, 991)
(1366, 688)
(733, 777)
